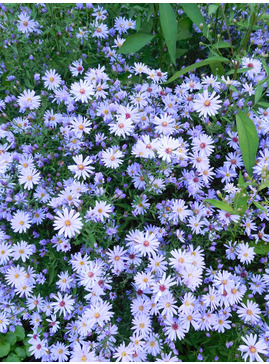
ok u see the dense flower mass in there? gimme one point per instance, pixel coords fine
(134, 220)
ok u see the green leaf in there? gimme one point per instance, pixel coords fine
(196, 17)
(260, 207)
(12, 357)
(241, 202)
(261, 247)
(241, 70)
(10, 337)
(266, 68)
(169, 27)
(217, 69)
(206, 62)
(184, 29)
(90, 239)
(138, 23)
(222, 44)
(20, 333)
(248, 140)
(150, 10)
(20, 351)
(184, 34)
(4, 348)
(212, 8)
(263, 185)
(220, 205)
(258, 93)
(135, 42)
(180, 52)
(52, 274)
(264, 104)
(241, 179)
(146, 26)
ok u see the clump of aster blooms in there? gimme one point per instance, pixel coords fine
(107, 248)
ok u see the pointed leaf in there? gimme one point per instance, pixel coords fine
(184, 29)
(135, 42)
(206, 62)
(220, 205)
(263, 185)
(241, 70)
(240, 179)
(52, 275)
(248, 140)
(260, 207)
(169, 27)
(264, 104)
(222, 44)
(212, 8)
(258, 93)
(194, 13)
(180, 52)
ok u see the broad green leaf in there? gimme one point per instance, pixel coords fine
(4, 348)
(184, 34)
(196, 17)
(12, 358)
(184, 29)
(212, 8)
(146, 26)
(20, 351)
(20, 333)
(262, 247)
(248, 140)
(169, 27)
(135, 42)
(192, 67)
(258, 93)
(220, 205)
(10, 337)
(259, 206)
